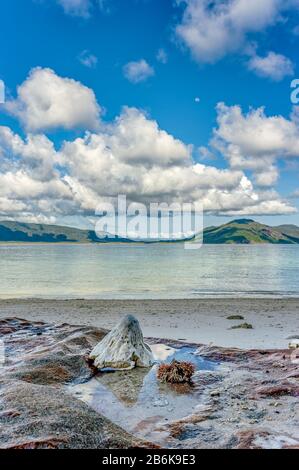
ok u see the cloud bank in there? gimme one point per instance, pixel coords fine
(131, 155)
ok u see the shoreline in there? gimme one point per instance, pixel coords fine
(51, 398)
(202, 321)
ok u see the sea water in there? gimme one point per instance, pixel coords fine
(165, 271)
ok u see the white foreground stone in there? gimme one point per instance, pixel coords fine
(123, 348)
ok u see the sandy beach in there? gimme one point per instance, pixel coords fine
(274, 321)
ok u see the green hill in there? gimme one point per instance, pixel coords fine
(247, 231)
(42, 233)
(291, 231)
(22, 232)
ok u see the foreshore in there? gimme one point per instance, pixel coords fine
(273, 321)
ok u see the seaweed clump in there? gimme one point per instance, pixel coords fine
(235, 317)
(245, 326)
(176, 372)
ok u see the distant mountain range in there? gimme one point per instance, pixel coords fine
(242, 231)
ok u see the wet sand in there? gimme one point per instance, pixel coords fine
(273, 321)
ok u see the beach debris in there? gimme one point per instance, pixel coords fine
(235, 317)
(160, 402)
(275, 404)
(245, 326)
(176, 372)
(215, 393)
(123, 348)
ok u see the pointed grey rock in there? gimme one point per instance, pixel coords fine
(123, 348)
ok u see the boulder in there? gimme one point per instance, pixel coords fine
(123, 348)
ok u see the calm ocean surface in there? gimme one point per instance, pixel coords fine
(148, 271)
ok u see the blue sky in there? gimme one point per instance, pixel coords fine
(172, 63)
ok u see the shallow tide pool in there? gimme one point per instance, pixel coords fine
(138, 403)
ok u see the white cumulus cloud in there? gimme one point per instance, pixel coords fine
(47, 101)
(213, 29)
(273, 66)
(138, 71)
(255, 141)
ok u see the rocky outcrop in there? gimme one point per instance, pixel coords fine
(249, 400)
(36, 411)
(123, 348)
